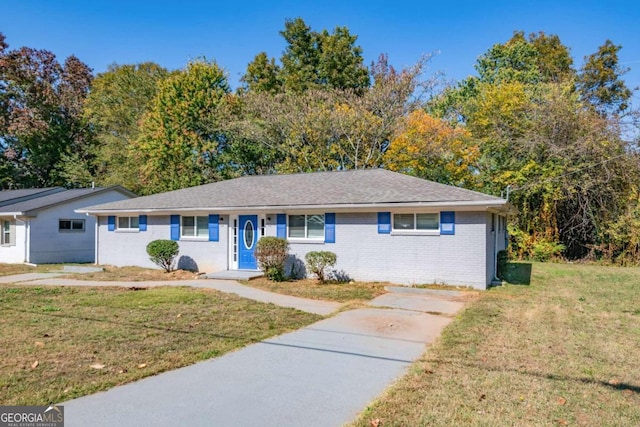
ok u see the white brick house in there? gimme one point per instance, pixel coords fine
(383, 225)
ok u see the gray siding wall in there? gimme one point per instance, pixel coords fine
(49, 245)
(363, 254)
(124, 248)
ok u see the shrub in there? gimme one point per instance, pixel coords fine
(544, 250)
(502, 265)
(318, 261)
(271, 254)
(163, 253)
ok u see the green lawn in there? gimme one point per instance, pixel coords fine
(564, 350)
(51, 336)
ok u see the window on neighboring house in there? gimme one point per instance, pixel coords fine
(416, 222)
(306, 226)
(128, 223)
(71, 225)
(6, 232)
(195, 226)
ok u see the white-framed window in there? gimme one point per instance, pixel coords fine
(306, 226)
(416, 222)
(128, 223)
(70, 225)
(6, 238)
(195, 226)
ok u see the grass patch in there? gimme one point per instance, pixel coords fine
(133, 274)
(313, 289)
(10, 269)
(562, 351)
(134, 334)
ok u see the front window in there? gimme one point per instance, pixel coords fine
(195, 226)
(416, 222)
(306, 226)
(6, 232)
(71, 225)
(128, 223)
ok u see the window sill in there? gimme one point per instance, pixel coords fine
(193, 239)
(415, 232)
(305, 241)
(127, 230)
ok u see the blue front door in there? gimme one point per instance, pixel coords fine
(248, 238)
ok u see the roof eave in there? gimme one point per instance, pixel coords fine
(468, 205)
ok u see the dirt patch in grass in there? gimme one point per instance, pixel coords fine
(58, 343)
(562, 351)
(134, 274)
(310, 288)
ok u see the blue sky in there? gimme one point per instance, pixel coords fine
(173, 32)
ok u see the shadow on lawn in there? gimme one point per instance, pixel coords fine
(554, 377)
(518, 273)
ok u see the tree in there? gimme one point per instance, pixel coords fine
(163, 253)
(41, 120)
(311, 60)
(600, 80)
(331, 129)
(118, 99)
(432, 149)
(263, 75)
(180, 135)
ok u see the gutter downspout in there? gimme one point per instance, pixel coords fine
(495, 251)
(97, 236)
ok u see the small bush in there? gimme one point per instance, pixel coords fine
(318, 261)
(271, 254)
(502, 264)
(544, 250)
(163, 253)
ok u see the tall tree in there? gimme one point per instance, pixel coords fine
(180, 135)
(41, 127)
(311, 60)
(431, 148)
(118, 99)
(263, 75)
(600, 80)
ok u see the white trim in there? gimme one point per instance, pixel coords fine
(414, 230)
(306, 237)
(497, 205)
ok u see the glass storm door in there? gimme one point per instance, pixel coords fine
(248, 237)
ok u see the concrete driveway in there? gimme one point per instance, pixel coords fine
(321, 375)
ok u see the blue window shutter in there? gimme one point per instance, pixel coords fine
(142, 223)
(281, 221)
(112, 223)
(384, 222)
(329, 228)
(448, 223)
(214, 228)
(175, 227)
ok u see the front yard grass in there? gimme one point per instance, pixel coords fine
(133, 274)
(313, 289)
(562, 351)
(11, 269)
(58, 343)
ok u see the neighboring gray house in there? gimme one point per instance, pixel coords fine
(40, 226)
(384, 226)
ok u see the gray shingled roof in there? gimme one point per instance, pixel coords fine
(51, 199)
(358, 187)
(14, 196)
